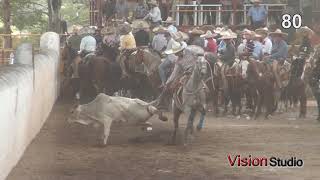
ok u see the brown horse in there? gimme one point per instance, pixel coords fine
(260, 88)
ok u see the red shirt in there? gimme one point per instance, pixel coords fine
(212, 46)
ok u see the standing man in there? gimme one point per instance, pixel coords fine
(257, 14)
(122, 9)
(154, 14)
(141, 10)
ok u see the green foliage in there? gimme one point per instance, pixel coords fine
(75, 12)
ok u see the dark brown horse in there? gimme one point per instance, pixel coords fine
(260, 90)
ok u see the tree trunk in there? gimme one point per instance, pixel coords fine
(7, 23)
(54, 7)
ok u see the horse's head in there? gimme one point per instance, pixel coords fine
(202, 66)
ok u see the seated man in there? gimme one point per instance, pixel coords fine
(266, 41)
(142, 34)
(127, 46)
(160, 40)
(169, 23)
(279, 52)
(228, 56)
(88, 44)
(154, 14)
(170, 58)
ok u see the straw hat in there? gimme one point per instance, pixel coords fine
(208, 35)
(305, 30)
(218, 30)
(264, 30)
(124, 29)
(255, 35)
(75, 29)
(140, 24)
(169, 20)
(107, 30)
(160, 29)
(278, 32)
(179, 36)
(86, 30)
(153, 2)
(228, 35)
(196, 31)
(176, 47)
(256, 1)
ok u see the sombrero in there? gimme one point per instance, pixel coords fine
(196, 31)
(176, 47)
(179, 36)
(278, 32)
(218, 30)
(228, 35)
(256, 1)
(305, 30)
(169, 20)
(107, 30)
(124, 29)
(86, 30)
(160, 29)
(264, 30)
(208, 35)
(140, 24)
(153, 2)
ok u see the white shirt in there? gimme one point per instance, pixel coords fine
(172, 29)
(267, 46)
(88, 43)
(155, 14)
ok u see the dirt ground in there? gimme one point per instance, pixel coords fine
(63, 151)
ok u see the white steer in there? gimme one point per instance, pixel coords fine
(106, 109)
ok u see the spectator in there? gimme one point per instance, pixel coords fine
(141, 10)
(227, 6)
(122, 9)
(257, 14)
(210, 16)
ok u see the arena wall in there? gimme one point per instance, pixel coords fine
(28, 90)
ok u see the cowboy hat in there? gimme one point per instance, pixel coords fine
(107, 30)
(176, 47)
(169, 20)
(255, 35)
(124, 29)
(246, 32)
(264, 30)
(218, 30)
(228, 35)
(196, 31)
(278, 32)
(160, 29)
(86, 30)
(208, 35)
(256, 1)
(140, 24)
(305, 30)
(153, 2)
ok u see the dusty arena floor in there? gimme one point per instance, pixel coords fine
(63, 151)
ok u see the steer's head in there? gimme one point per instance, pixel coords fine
(76, 115)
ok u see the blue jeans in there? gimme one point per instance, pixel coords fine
(163, 68)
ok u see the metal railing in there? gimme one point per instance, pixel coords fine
(200, 12)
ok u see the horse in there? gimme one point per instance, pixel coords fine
(189, 99)
(260, 91)
(295, 90)
(314, 80)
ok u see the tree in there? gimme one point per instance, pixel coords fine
(7, 23)
(54, 7)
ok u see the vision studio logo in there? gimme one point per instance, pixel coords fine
(250, 161)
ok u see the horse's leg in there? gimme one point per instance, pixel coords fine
(176, 116)
(303, 102)
(189, 127)
(202, 117)
(260, 100)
